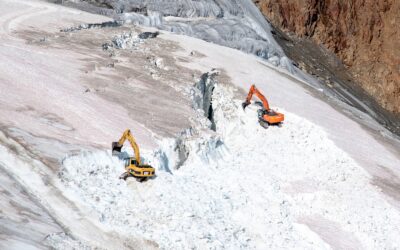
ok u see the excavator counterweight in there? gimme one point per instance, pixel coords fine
(266, 116)
(133, 165)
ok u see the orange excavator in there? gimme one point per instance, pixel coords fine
(266, 116)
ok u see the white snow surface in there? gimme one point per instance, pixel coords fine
(233, 23)
(251, 192)
(305, 185)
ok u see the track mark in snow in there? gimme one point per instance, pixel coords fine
(331, 233)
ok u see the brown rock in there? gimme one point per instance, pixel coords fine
(364, 34)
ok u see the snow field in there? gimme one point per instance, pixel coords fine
(254, 189)
(239, 187)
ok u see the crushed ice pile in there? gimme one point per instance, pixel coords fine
(253, 189)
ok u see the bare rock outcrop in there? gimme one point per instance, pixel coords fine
(364, 34)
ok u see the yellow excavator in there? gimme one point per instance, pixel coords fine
(133, 165)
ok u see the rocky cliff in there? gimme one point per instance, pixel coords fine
(364, 34)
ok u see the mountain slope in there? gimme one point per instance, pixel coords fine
(363, 34)
(320, 181)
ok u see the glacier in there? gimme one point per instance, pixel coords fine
(321, 180)
(234, 23)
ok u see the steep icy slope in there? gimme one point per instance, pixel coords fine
(66, 95)
(17, 208)
(240, 25)
(236, 24)
(42, 108)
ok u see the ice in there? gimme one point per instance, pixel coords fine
(230, 185)
(22, 219)
(126, 40)
(236, 24)
(253, 194)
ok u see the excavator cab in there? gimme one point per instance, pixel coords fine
(133, 165)
(266, 116)
(131, 161)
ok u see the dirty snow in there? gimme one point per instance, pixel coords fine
(304, 185)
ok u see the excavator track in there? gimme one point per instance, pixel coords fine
(263, 123)
(124, 176)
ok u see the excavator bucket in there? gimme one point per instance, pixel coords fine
(245, 104)
(116, 148)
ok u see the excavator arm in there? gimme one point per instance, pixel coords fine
(127, 135)
(255, 91)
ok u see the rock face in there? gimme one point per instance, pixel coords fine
(364, 34)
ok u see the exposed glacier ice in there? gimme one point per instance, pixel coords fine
(127, 40)
(234, 23)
